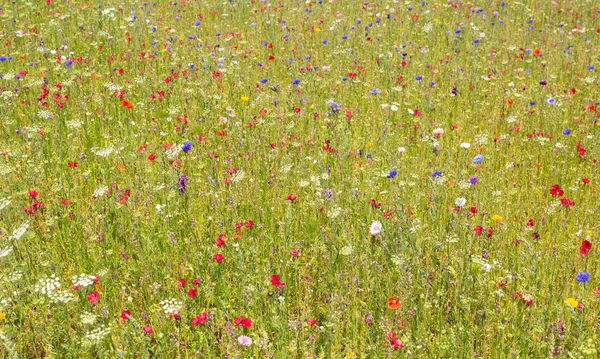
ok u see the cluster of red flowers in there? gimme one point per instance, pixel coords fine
(277, 282)
(394, 341)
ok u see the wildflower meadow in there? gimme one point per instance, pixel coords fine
(299, 179)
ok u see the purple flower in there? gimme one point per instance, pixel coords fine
(478, 159)
(182, 184)
(473, 180)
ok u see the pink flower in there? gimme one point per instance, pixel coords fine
(311, 321)
(125, 314)
(245, 341)
(375, 228)
(197, 281)
(147, 329)
(218, 258)
(181, 282)
(93, 298)
(295, 252)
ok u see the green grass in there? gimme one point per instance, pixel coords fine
(508, 85)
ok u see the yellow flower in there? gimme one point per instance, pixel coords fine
(2, 315)
(572, 302)
(497, 217)
(245, 98)
(317, 29)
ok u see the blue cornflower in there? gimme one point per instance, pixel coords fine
(436, 174)
(2, 58)
(567, 131)
(375, 91)
(192, 66)
(419, 78)
(478, 159)
(473, 180)
(296, 82)
(590, 68)
(551, 101)
(198, 23)
(187, 146)
(583, 277)
(344, 37)
(392, 174)
(264, 80)
(68, 63)
(335, 107)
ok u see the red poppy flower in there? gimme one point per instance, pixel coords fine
(394, 303)
(126, 104)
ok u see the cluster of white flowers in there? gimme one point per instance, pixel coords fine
(393, 106)
(171, 306)
(174, 151)
(45, 114)
(5, 251)
(113, 87)
(19, 231)
(452, 238)
(481, 139)
(173, 110)
(334, 212)
(95, 335)
(83, 280)
(100, 191)
(103, 152)
(238, 176)
(88, 318)
(51, 288)
(286, 168)
(347, 250)
(74, 124)
(482, 262)
(5, 169)
(14, 276)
